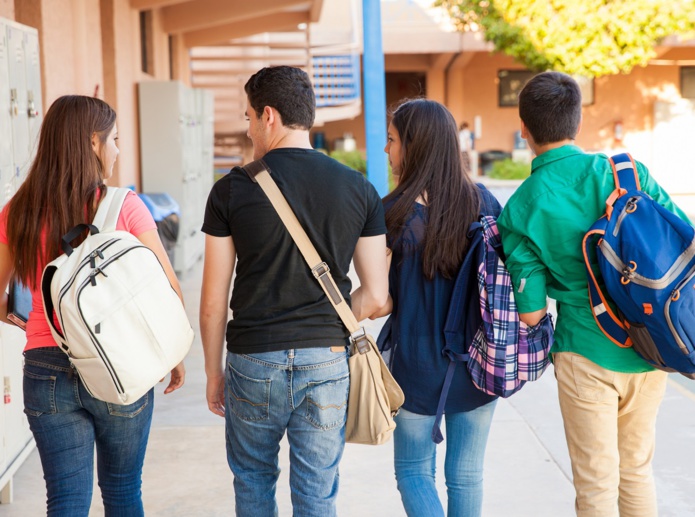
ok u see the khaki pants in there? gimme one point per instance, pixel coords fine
(610, 424)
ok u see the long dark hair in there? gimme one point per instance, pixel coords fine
(432, 167)
(61, 188)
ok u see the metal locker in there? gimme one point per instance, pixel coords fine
(34, 105)
(18, 102)
(20, 116)
(6, 160)
(174, 159)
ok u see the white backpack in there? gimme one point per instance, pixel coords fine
(121, 322)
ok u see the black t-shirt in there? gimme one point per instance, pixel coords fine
(277, 303)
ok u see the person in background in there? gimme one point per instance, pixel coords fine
(428, 217)
(466, 143)
(75, 157)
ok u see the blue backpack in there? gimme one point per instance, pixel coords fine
(646, 260)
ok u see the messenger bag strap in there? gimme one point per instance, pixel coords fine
(259, 172)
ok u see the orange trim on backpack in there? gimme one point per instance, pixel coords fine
(648, 309)
(628, 341)
(610, 201)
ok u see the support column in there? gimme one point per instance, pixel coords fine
(436, 85)
(374, 96)
(7, 9)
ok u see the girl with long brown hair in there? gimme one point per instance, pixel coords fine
(428, 216)
(76, 153)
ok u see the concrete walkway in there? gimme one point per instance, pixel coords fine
(527, 470)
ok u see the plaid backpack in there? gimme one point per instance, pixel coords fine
(504, 353)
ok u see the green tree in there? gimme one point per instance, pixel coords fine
(583, 37)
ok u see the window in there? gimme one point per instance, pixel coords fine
(171, 57)
(688, 82)
(586, 85)
(510, 83)
(146, 42)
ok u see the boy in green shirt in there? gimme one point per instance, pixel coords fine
(609, 396)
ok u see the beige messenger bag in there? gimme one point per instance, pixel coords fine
(375, 396)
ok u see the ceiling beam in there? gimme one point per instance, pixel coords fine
(144, 5)
(251, 57)
(243, 29)
(315, 12)
(208, 13)
(440, 61)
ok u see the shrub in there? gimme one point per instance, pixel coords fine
(357, 161)
(353, 159)
(510, 170)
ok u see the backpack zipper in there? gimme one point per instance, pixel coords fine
(659, 283)
(667, 312)
(79, 268)
(623, 213)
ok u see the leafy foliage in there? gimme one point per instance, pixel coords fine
(353, 159)
(356, 160)
(582, 37)
(510, 170)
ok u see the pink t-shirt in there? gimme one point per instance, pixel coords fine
(134, 218)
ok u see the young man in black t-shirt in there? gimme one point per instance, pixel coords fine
(286, 365)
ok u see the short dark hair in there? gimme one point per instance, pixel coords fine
(288, 90)
(550, 105)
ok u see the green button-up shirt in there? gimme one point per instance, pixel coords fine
(542, 227)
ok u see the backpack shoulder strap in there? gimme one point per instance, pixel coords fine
(624, 172)
(606, 319)
(459, 305)
(106, 217)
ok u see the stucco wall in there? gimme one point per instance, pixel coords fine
(471, 91)
(93, 48)
(7, 9)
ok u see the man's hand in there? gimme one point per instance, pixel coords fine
(215, 393)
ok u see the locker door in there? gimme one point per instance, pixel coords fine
(33, 87)
(18, 98)
(6, 160)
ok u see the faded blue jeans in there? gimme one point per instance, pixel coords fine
(415, 462)
(67, 422)
(303, 392)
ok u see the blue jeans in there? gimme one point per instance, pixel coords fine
(67, 422)
(415, 462)
(303, 392)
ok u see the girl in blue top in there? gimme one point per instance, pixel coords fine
(428, 215)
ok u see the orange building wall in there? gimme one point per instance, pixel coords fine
(472, 90)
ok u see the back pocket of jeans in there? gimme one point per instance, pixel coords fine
(327, 402)
(131, 410)
(247, 398)
(39, 393)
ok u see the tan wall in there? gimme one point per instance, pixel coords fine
(7, 9)
(93, 48)
(470, 88)
(69, 33)
(628, 98)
